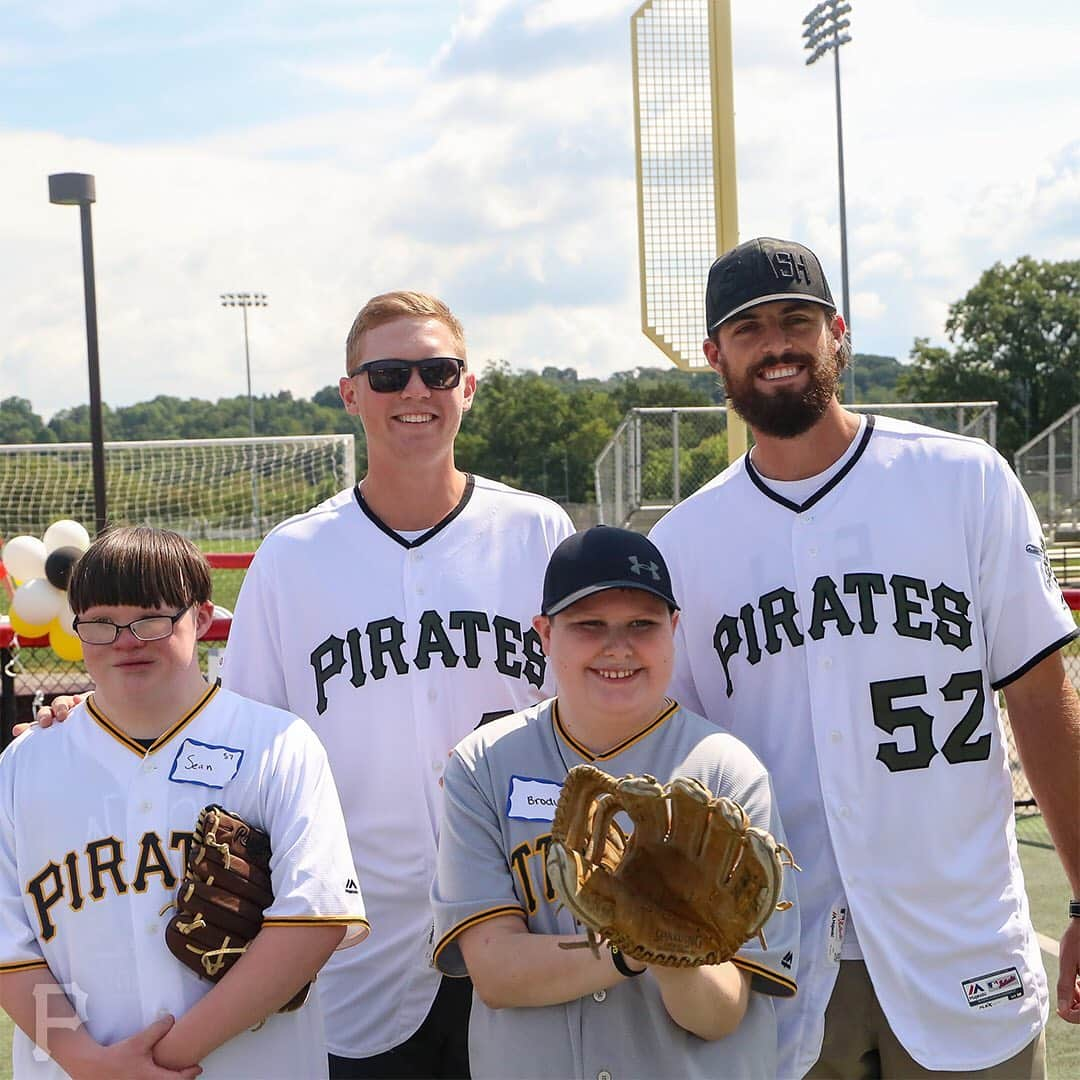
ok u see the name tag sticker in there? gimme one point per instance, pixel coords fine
(529, 799)
(205, 764)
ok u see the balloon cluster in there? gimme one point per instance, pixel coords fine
(40, 569)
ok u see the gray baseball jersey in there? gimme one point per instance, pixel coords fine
(393, 650)
(94, 831)
(502, 784)
(855, 642)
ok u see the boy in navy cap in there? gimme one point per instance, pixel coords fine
(607, 628)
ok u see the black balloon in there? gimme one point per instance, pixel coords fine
(58, 566)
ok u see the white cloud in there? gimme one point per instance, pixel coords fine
(494, 165)
(869, 305)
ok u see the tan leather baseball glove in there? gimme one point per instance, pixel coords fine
(690, 885)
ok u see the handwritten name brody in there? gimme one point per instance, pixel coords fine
(536, 800)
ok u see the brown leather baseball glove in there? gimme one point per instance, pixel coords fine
(222, 897)
(690, 885)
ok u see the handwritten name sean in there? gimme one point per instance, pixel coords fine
(195, 765)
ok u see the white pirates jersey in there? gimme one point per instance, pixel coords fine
(94, 831)
(393, 650)
(502, 785)
(856, 643)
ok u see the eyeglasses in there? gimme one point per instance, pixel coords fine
(392, 376)
(149, 628)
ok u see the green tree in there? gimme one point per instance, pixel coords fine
(537, 432)
(875, 377)
(1016, 338)
(20, 424)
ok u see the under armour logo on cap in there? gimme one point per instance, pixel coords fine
(600, 558)
(636, 567)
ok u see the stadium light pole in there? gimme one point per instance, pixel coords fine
(824, 31)
(243, 301)
(78, 189)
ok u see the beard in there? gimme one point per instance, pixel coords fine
(783, 414)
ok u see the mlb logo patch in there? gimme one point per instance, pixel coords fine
(983, 991)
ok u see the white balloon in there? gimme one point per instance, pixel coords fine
(66, 618)
(24, 557)
(66, 533)
(38, 602)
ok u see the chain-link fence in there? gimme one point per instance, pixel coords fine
(1049, 469)
(31, 676)
(659, 456)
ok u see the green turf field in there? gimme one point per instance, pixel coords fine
(1049, 895)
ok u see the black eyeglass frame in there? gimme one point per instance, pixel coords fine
(117, 627)
(397, 373)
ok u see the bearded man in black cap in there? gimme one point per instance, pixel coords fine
(855, 591)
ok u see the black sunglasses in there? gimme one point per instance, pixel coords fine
(392, 376)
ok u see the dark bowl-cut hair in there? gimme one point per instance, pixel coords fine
(137, 566)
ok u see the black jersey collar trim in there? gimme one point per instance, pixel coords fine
(583, 751)
(821, 492)
(466, 495)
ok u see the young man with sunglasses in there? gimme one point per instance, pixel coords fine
(95, 826)
(396, 618)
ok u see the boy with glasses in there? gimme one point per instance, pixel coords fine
(94, 831)
(396, 617)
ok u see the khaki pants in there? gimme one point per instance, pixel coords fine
(860, 1045)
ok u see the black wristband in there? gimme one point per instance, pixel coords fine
(621, 965)
(1074, 911)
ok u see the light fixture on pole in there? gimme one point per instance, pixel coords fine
(243, 301)
(78, 189)
(824, 30)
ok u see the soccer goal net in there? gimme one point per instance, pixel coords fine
(213, 489)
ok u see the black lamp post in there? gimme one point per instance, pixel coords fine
(77, 189)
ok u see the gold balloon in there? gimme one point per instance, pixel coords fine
(66, 646)
(25, 629)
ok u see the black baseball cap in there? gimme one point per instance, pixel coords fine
(759, 271)
(600, 558)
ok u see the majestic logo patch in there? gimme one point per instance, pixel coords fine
(205, 764)
(837, 926)
(983, 991)
(351, 887)
(788, 960)
(529, 799)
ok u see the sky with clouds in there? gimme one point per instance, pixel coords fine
(483, 150)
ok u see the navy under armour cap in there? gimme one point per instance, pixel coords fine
(601, 558)
(761, 271)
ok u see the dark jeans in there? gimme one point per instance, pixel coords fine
(439, 1050)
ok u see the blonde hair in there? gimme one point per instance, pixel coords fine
(401, 304)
